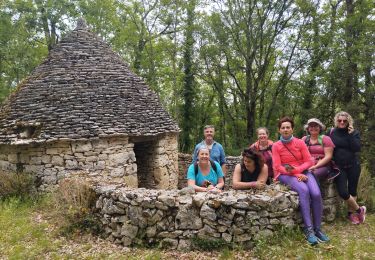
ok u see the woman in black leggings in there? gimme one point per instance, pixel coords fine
(345, 154)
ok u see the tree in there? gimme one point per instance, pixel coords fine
(188, 91)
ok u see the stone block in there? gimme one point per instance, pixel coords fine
(227, 237)
(131, 169)
(46, 159)
(129, 231)
(208, 213)
(71, 164)
(13, 158)
(117, 159)
(188, 218)
(199, 199)
(117, 172)
(57, 160)
(90, 153)
(7, 166)
(25, 158)
(118, 141)
(208, 232)
(169, 243)
(167, 234)
(81, 147)
(100, 165)
(91, 159)
(33, 168)
(49, 179)
(101, 143)
(58, 151)
(151, 231)
(184, 244)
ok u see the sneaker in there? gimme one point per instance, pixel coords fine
(310, 236)
(354, 218)
(361, 215)
(321, 236)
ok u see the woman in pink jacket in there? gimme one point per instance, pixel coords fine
(291, 160)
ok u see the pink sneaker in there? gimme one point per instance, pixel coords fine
(362, 214)
(354, 218)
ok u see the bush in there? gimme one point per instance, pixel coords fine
(366, 188)
(21, 185)
(75, 203)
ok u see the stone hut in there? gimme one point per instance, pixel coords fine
(83, 111)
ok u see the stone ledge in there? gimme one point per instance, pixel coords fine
(175, 217)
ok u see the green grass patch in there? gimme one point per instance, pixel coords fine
(29, 231)
(20, 237)
(208, 244)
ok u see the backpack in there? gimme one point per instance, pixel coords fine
(320, 141)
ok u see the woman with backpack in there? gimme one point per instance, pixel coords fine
(347, 145)
(205, 174)
(252, 172)
(264, 146)
(291, 161)
(321, 149)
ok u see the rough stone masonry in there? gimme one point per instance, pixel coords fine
(174, 218)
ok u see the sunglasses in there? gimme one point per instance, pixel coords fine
(342, 120)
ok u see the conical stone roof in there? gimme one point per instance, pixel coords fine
(82, 90)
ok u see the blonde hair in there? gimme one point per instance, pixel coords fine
(343, 113)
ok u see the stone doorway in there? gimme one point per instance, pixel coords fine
(145, 154)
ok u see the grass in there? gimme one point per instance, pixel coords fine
(27, 232)
(20, 238)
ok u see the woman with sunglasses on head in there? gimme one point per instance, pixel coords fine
(291, 161)
(252, 172)
(347, 145)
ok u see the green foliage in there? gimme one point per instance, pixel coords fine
(208, 244)
(366, 189)
(239, 66)
(20, 185)
(283, 237)
(21, 237)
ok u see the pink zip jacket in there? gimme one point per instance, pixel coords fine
(301, 161)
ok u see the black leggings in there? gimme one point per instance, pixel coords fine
(347, 181)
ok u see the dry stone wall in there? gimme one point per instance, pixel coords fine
(106, 160)
(329, 193)
(174, 218)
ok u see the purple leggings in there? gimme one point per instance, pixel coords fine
(309, 197)
(321, 172)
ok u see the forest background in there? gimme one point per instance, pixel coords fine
(237, 64)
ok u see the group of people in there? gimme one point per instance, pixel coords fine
(297, 163)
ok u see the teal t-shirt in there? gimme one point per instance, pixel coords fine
(211, 177)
